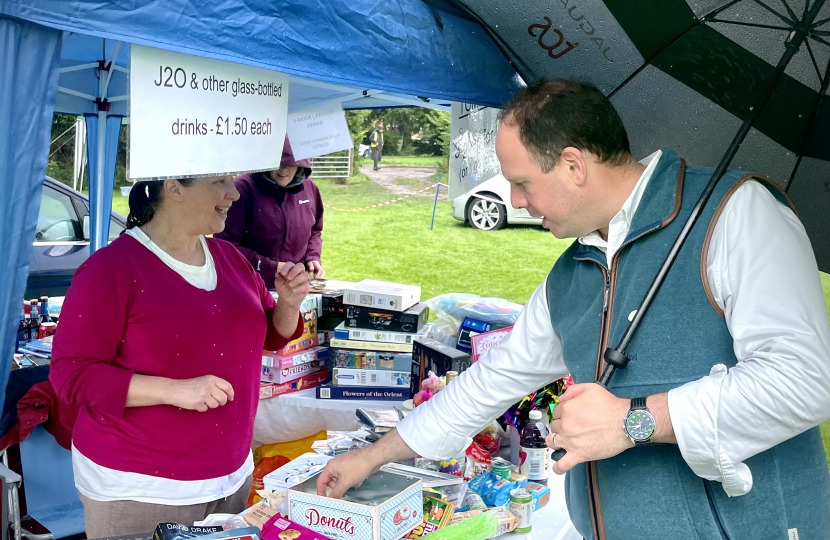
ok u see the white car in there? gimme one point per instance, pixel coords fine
(487, 206)
(364, 150)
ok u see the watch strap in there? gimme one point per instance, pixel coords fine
(638, 403)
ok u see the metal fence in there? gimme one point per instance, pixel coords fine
(331, 166)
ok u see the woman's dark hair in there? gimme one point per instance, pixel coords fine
(145, 198)
(554, 114)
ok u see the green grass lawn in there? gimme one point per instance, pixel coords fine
(419, 161)
(394, 243)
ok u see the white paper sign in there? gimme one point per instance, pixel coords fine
(473, 149)
(194, 116)
(318, 131)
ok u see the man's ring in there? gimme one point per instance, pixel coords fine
(553, 442)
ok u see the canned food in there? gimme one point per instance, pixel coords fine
(521, 504)
(502, 467)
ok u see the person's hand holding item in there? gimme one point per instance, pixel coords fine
(291, 284)
(316, 269)
(352, 468)
(201, 393)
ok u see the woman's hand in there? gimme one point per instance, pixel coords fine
(201, 393)
(316, 269)
(291, 284)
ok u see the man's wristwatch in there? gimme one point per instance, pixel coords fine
(639, 423)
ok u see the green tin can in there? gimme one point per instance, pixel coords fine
(502, 467)
(521, 504)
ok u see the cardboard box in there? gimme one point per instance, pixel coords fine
(411, 320)
(312, 302)
(382, 294)
(272, 390)
(303, 343)
(332, 304)
(484, 342)
(362, 334)
(385, 507)
(357, 393)
(277, 375)
(389, 361)
(279, 528)
(371, 345)
(295, 471)
(281, 362)
(369, 377)
(431, 355)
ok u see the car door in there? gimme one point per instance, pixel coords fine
(59, 246)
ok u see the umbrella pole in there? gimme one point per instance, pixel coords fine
(615, 357)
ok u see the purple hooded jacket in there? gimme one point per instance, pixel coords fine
(270, 224)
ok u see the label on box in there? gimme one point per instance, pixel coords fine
(274, 374)
(482, 343)
(326, 391)
(277, 361)
(361, 334)
(271, 390)
(370, 377)
(387, 361)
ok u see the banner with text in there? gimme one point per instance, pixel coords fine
(473, 147)
(192, 116)
(319, 131)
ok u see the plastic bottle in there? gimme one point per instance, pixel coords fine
(535, 454)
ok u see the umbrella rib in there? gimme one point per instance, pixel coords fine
(755, 25)
(820, 40)
(647, 61)
(821, 23)
(783, 18)
(789, 10)
(813, 58)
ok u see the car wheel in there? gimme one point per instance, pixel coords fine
(485, 214)
(367, 153)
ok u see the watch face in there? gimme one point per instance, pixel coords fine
(639, 425)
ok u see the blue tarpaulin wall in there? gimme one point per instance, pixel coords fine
(339, 49)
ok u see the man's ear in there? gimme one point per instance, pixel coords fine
(573, 164)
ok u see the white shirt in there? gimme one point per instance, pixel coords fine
(103, 484)
(763, 276)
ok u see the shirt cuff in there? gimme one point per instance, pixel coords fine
(422, 434)
(693, 409)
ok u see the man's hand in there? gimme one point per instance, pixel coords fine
(346, 471)
(588, 423)
(291, 284)
(316, 269)
(352, 468)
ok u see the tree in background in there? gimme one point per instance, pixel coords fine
(431, 128)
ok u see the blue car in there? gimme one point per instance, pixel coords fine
(61, 241)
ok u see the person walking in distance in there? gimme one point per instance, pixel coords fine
(376, 142)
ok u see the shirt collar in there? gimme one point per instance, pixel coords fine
(620, 224)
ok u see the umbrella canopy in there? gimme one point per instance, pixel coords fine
(686, 74)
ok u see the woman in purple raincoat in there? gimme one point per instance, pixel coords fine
(278, 218)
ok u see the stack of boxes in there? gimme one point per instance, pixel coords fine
(371, 353)
(301, 363)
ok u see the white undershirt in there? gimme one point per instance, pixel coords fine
(763, 275)
(103, 484)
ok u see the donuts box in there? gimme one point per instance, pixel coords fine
(387, 506)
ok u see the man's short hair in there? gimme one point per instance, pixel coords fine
(554, 114)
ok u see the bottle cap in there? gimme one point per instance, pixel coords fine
(535, 415)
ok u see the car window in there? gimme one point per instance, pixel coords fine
(57, 220)
(115, 229)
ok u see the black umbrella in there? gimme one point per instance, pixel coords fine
(740, 82)
(688, 73)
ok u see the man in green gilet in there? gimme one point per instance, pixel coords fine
(710, 432)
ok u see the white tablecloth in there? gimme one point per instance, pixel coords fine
(301, 414)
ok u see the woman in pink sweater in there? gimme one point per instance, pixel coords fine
(160, 343)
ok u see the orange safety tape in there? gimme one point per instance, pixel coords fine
(386, 202)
